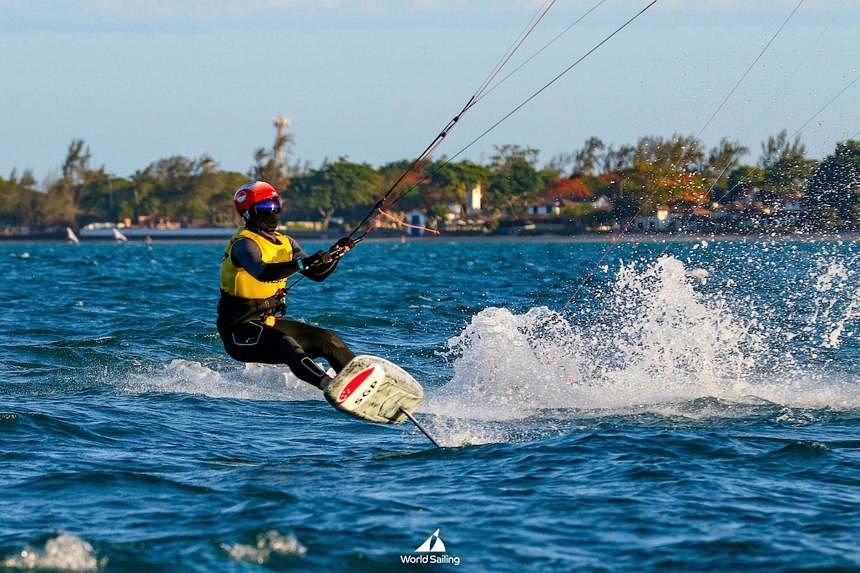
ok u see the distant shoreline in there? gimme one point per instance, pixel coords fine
(627, 238)
(190, 237)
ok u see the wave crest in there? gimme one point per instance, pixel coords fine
(65, 552)
(654, 339)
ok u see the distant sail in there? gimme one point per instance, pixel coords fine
(119, 236)
(72, 236)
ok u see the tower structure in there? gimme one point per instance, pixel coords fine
(473, 199)
(281, 123)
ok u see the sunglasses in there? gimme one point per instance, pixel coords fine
(267, 207)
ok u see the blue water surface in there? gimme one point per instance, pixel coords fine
(694, 407)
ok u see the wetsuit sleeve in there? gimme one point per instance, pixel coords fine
(298, 253)
(315, 274)
(246, 254)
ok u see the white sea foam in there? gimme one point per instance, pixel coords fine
(839, 299)
(249, 381)
(267, 543)
(657, 343)
(64, 552)
(653, 342)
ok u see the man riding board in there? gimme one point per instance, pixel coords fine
(257, 261)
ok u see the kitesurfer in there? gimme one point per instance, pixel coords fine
(257, 261)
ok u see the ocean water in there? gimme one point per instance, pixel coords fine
(696, 406)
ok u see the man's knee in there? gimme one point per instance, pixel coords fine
(300, 363)
(331, 338)
(291, 347)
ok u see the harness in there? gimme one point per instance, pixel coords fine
(244, 298)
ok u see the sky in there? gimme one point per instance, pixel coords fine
(375, 80)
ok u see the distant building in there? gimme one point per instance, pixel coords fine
(550, 209)
(554, 207)
(455, 212)
(660, 220)
(473, 199)
(602, 203)
(418, 219)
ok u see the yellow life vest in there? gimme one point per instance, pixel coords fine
(237, 281)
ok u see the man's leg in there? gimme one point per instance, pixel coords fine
(255, 342)
(316, 342)
(301, 364)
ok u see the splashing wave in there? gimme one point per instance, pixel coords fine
(65, 552)
(249, 382)
(656, 340)
(268, 543)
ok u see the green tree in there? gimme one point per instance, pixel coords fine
(786, 167)
(175, 186)
(414, 190)
(618, 160)
(63, 202)
(433, 185)
(722, 161)
(96, 197)
(652, 185)
(18, 199)
(182, 188)
(833, 192)
(741, 180)
(678, 151)
(778, 147)
(514, 181)
(451, 181)
(341, 185)
(577, 210)
(588, 158)
(222, 186)
(665, 171)
(561, 163)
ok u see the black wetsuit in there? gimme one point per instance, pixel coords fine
(247, 338)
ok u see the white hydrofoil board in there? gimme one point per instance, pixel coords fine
(374, 389)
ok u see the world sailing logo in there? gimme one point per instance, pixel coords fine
(431, 552)
(434, 544)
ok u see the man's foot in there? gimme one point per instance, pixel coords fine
(325, 382)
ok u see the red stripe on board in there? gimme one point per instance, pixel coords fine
(355, 383)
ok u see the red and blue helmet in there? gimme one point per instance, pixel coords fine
(256, 198)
